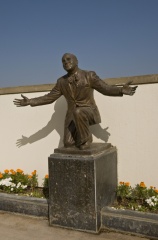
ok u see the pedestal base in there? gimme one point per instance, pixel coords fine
(80, 186)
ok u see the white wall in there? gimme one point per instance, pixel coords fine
(131, 122)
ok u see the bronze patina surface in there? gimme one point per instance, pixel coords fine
(78, 86)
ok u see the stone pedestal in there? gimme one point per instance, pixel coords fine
(81, 184)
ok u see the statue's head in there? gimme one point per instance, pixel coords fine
(70, 62)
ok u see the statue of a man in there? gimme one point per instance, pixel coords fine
(77, 86)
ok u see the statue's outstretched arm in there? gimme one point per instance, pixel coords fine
(52, 96)
(111, 90)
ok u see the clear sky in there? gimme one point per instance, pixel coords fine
(114, 38)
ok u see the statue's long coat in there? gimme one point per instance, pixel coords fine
(81, 96)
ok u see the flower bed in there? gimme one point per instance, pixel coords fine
(17, 182)
(139, 198)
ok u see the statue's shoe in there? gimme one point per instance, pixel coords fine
(85, 146)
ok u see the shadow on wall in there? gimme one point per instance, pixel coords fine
(100, 133)
(57, 123)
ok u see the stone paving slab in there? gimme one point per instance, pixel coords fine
(22, 227)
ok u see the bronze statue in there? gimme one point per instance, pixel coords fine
(77, 86)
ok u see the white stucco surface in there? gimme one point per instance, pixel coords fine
(129, 123)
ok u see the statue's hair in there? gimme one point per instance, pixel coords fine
(71, 55)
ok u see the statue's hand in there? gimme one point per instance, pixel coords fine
(127, 90)
(22, 102)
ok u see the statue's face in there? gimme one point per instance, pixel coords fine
(69, 62)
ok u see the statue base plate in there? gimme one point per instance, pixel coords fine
(94, 148)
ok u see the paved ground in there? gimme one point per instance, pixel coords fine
(20, 227)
